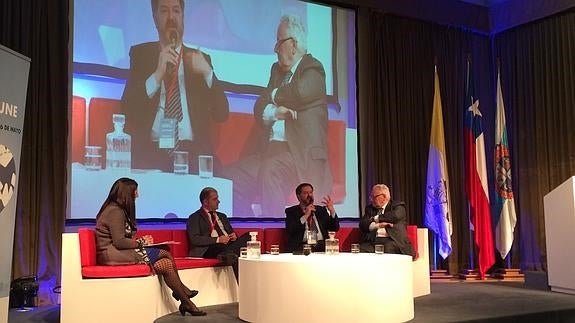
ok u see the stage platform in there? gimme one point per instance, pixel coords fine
(458, 301)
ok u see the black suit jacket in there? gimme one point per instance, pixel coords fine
(199, 232)
(306, 136)
(204, 105)
(295, 229)
(394, 213)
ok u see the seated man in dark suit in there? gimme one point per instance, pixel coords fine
(210, 234)
(306, 217)
(384, 222)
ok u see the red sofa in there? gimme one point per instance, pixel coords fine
(109, 286)
(267, 236)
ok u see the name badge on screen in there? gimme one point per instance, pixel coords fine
(167, 133)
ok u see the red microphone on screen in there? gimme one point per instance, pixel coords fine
(173, 37)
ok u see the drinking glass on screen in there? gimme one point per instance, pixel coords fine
(181, 162)
(205, 166)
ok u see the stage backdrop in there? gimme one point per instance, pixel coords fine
(13, 85)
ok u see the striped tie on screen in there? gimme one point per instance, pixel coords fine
(174, 101)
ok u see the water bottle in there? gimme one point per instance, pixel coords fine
(254, 246)
(118, 146)
(332, 244)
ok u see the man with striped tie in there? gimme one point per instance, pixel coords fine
(170, 81)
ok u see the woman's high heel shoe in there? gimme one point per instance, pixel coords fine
(183, 311)
(192, 294)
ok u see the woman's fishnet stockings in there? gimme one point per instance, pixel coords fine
(166, 254)
(166, 267)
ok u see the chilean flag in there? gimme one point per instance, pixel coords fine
(476, 178)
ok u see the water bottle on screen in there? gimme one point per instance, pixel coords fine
(118, 146)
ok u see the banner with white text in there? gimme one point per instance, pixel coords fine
(13, 86)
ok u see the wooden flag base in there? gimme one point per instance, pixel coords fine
(508, 274)
(469, 274)
(440, 274)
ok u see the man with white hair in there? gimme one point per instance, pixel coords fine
(384, 222)
(291, 115)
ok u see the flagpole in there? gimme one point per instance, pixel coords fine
(471, 248)
(434, 251)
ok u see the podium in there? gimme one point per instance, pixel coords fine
(559, 207)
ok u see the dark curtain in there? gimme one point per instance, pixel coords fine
(39, 29)
(396, 107)
(538, 80)
(538, 67)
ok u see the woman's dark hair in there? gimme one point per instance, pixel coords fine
(123, 194)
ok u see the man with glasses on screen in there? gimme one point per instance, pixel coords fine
(384, 222)
(291, 115)
(171, 95)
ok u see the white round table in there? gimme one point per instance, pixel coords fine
(326, 288)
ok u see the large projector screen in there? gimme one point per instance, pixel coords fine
(238, 39)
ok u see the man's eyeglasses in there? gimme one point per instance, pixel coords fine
(279, 42)
(378, 195)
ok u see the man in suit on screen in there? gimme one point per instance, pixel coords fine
(291, 116)
(169, 80)
(384, 222)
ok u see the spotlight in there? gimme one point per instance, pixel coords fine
(23, 292)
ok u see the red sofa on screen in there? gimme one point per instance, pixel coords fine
(230, 138)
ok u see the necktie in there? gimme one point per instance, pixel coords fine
(286, 78)
(173, 100)
(215, 223)
(311, 223)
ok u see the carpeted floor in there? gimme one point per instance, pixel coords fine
(449, 302)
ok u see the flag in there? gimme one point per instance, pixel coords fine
(476, 178)
(505, 217)
(437, 211)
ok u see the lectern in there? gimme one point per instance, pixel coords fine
(560, 236)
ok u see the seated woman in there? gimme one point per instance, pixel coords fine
(115, 243)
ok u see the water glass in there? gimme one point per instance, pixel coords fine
(181, 162)
(93, 157)
(379, 249)
(275, 249)
(206, 166)
(311, 236)
(243, 252)
(355, 248)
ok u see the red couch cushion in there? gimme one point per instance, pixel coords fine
(187, 263)
(158, 235)
(346, 237)
(275, 236)
(87, 247)
(180, 250)
(412, 235)
(116, 271)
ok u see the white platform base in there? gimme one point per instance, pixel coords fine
(137, 299)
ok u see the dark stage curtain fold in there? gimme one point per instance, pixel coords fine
(39, 30)
(396, 106)
(538, 80)
(538, 64)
